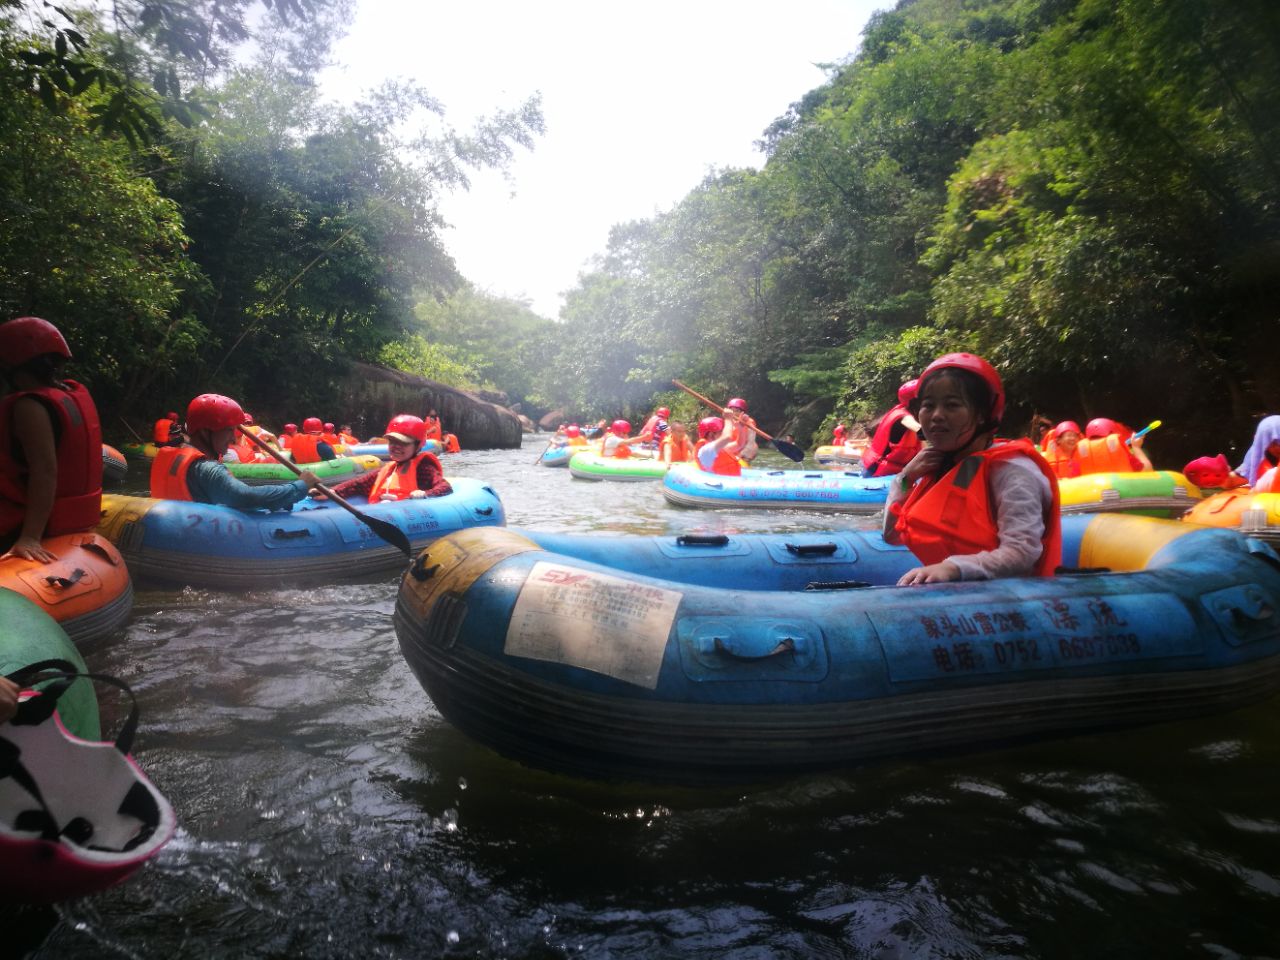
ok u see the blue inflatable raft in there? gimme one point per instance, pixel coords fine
(201, 544)
(558, 456)
(687, 486)
(589, 669)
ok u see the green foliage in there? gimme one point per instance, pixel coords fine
(431, 360)
(92, 246)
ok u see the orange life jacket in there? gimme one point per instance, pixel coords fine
(348, 439)
(884, 457)
(303, 447)
(955, 515)
(676, 451)
(451, 444)
(621, 448)
(169, 472)
(725, 463)
(742, 436)
(77, 503)
(1062, 465)
(1104, 455)
(286, 441)
(434, 431)
(400, 479)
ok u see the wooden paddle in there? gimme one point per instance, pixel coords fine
(784, 447)
(387, 531)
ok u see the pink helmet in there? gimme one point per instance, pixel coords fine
(737, 403)
(212, 411)
(312, 425)
(28, 337)
(709, 427)
(1100, 427)
(907, 392)
(620, 427)
(974, 364)
(408, 426)
(1067, 426)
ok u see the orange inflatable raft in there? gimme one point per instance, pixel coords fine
(87, 590)
(1254, 514)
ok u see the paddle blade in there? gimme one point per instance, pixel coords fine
(788, 450)
(389, 532)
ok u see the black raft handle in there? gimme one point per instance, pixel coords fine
(279, 533)
(702, 540)
(812, 549)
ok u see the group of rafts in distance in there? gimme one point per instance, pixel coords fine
(673, 658)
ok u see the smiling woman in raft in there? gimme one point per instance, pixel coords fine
(969, 506)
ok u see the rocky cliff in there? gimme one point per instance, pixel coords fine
(371, 395)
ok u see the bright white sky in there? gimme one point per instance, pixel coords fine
(641, 100)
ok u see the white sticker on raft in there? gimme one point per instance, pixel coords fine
(594, 621)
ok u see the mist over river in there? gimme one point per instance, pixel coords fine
(326, 809)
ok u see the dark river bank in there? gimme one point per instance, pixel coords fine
(327, 810)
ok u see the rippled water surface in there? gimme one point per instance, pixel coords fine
(327, 810)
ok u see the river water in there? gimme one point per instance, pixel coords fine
(327, 810)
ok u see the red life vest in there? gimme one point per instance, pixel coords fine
(725, 463)
(169, 472)
(883, 457)
(303, 447)
(163, 431)
(400, 479)
(1105, 455)
(955, 515)
(77, 503)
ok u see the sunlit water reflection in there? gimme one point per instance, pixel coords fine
(327, 810)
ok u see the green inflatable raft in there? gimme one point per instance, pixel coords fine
(29, 635)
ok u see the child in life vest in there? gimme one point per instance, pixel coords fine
(1060, 449)
(712, 450)
(676, 446)
(1263, 454)
(969, 506)
(50, 443)
(411, 474)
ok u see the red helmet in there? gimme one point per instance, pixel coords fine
(328, 427)
(1067, 426)
(28, 337)
(907, 392)
(1208, 471)
(1100, 427)
(290, 428)
(974, 364)
(709, 427)
(248, 418)
(620, 427)
(573, 431)
(737, 403)
(172, 415)
(212, 411)
(663, 412)
(408, 426)
(312, 425)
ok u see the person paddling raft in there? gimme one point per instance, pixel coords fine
(969, 506)
(195, 470)
(411, 473)
(50, 443)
